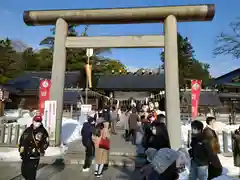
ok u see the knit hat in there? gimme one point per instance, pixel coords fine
(164, 158)
(37, 118)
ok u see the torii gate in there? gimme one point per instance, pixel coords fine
(169, 15)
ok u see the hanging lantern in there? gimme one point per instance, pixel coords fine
(88, 69)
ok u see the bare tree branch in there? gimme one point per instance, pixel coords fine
(229, 43)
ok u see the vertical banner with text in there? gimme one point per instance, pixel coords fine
(44, 93)
(196, 90)
(50, 118)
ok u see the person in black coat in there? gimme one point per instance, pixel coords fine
(156, 134)
(86, 133)
(106, 113)
(159, 137)
(33, 143)
(201, 153)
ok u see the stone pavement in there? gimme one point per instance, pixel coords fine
(9, 170)
(118, 145)
(122, 153)
(73, 172)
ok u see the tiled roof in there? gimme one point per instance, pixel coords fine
(206, 99)
(227, 78)
(71, 97)
(131, 82)
(30, 79)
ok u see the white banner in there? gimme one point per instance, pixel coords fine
(50, 118)
(86, 108)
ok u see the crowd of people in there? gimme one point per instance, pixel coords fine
(162, 162)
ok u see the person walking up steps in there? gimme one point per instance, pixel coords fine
(133, 124)
(102, 145)
(114, 119)
(86, 132)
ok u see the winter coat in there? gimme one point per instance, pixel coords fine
(200, 150)
(33, 142)
(106, 114)
(212, 138)
(114, 115)
(86, 133)
(102, 155)
(133, 121)
(124, 119)
(161, 139)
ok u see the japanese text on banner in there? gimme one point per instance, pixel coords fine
(44, 93)
(196, 90)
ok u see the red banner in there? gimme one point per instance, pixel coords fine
(44, 93)
(196, 90)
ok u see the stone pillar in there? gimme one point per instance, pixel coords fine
(58, 74)
(172, 81)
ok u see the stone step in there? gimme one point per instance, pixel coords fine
(122, 161)
(126, 154)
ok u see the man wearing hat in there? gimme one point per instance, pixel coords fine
(33, 143)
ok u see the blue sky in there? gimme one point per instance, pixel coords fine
(201, 34)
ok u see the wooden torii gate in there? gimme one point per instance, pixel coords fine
(169, 15)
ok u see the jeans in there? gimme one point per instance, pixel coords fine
(89, 154)
(198, 172)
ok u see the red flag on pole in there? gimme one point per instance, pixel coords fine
(196, 90)
(44, 93)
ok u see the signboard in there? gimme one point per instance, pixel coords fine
(44, 93)
(196, 90)
(50, 118)
(89, 52)
(86, 108)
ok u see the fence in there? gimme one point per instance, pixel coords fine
(10, 134)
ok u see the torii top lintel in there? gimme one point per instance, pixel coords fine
(121, 15)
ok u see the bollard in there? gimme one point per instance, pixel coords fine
(225, 141)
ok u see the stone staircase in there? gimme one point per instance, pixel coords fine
(122, 153)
